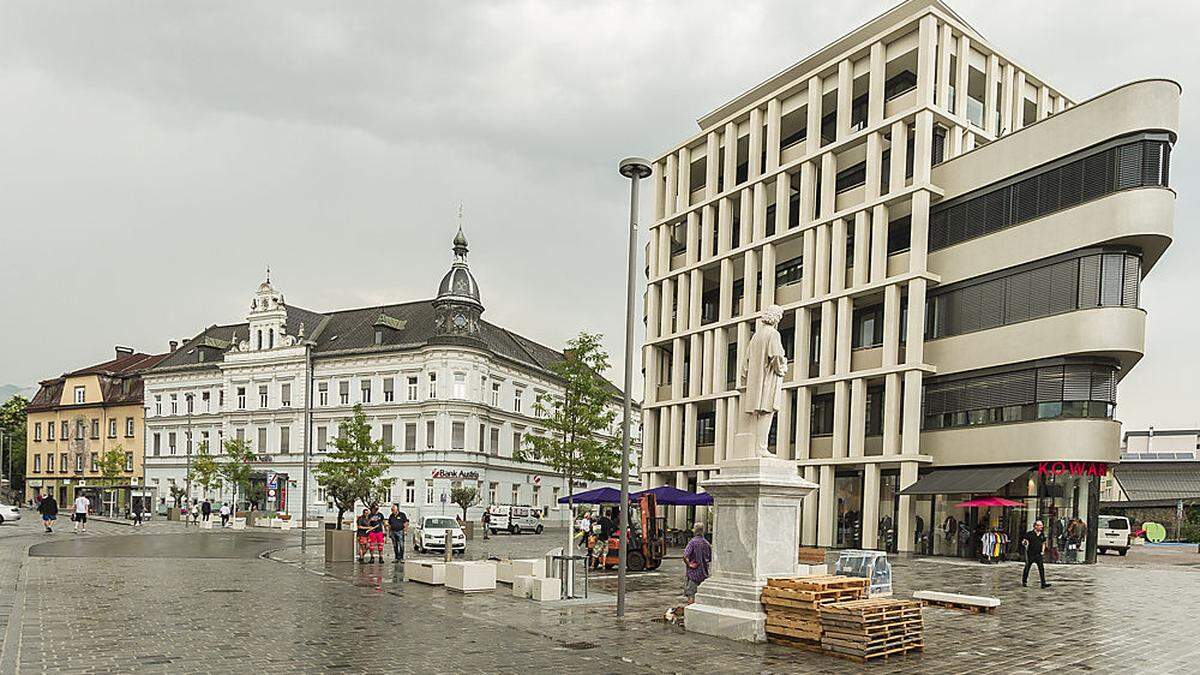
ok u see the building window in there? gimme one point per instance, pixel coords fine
(171, 442)
(365, 388)
(78, 463)
(241, 398)
(494, 440)
(174, 404)
(410, 492)
(285, 395)
(63, 464)
(481, 438)
(537, 496)
(517, 394)
(430, 428)
(389, 393)
(386, 435)
(112, 428)
(412, 388)
(203, 442)
(540, 411)
(220, 398)
(1078, 388)
(428, 490)
(128, 427)
(128, 462)
(460, 385)
(37, 431)
(285, 440)
(79, 394)
(491, 495)
(157, 444)
(516, 493)
(37, 462)
(240, 433)
(410, 437)
(158, 404)
(344, 392)
(322, 438)
(495, 394)
(50, 463)
(49, 431)
(206, 397)
(95, 427)
(516, 439)
(1142, 161)
(323, 393)
(95, 462)
(458, 435)
(433, 385)
(188, 398)
(262, 395)
(262, 440)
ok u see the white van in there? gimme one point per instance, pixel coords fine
(1113, 533)
(514, 519)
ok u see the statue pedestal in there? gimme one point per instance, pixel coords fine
(756, 535)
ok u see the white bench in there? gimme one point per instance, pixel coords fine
(470, 577)
(426, 572)
(974, 603)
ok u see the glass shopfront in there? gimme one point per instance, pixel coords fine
(1063, 495)
(848, 490)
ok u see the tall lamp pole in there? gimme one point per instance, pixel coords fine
(635, 169)
(188, 461)
(308, 387)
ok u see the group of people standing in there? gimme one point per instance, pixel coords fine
(47, 506)
(373, 529)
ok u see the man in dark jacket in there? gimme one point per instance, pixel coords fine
(1034, 542)
(206, 509)
(49, 510)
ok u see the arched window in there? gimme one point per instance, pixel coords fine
(271, 339)
(260, 339)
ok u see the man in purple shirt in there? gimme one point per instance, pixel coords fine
(696, 557)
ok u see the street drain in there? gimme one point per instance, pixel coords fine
(580, 645)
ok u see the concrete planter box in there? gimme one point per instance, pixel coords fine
(426, 572)
(520, 587)
(534, 567)
(542, 589)
(339, 546)
(470, 577)
(238, 523)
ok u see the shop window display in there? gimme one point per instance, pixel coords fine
(848, 488)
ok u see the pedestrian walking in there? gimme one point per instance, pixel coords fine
(81, 513)
(362, 529)
(206, 510)
(137, 512)
(697, 556)
(397, 524)
(194, 512)
(486, 521)
(224, 515)
(48, 507)
(1034, 542)
(376, 535)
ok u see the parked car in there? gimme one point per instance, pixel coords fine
(430, 535)
(8, 513)
(1113, 533)
(514, 519)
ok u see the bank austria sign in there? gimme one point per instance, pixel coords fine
(455, 474)
(1072, 468)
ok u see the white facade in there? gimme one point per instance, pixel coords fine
(453, 408)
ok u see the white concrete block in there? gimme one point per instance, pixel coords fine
(818, 570)
(534, 567)
(521, 586)
(542, 589)
(239, 523)
(426, 572)
(206, 524)
(504, 571)
(470, 577)
(957, 598)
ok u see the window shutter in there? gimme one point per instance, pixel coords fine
(1129, 166)
(1064, 277)
(1089, 281)
(1104, 384)
(1077, 381)
(991, 303)
(1050, 383)
(1111, 271)
(1132, 281)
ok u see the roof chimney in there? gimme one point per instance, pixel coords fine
(123, 351)
(173, 345)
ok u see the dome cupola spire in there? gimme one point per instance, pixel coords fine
(457, 306)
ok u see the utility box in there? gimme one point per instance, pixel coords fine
(339, 546)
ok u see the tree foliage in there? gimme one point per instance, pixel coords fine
(206, 472)
(575, 444)
(465, 497)
(235, 468)
(12, 425)
(355, 469)
(112, 465)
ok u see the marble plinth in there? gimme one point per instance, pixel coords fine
(755, 537)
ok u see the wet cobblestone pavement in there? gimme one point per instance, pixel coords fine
(159, 600)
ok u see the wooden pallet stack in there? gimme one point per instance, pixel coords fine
(811, 555)
(867, 629)
(793, 606)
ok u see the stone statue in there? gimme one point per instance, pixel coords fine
(763, 368)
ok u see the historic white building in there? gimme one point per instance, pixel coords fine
(451, 392)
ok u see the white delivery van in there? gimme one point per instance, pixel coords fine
(1113, 533)
(514, 519)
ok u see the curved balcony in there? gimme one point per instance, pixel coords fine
(1081, 440)
(1113, 332)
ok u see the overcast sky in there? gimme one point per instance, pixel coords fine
(155, 157)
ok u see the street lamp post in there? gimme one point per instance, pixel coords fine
(308, 391)
(635, 169)
(188, 460)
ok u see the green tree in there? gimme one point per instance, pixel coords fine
(12, 425)
(355, 468)
(575, 445)
(177, 493)
(205, 471)
(112, 468)
(465, 497)
(235, 468)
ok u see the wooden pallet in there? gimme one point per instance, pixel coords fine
(872, 628)
(807, 645)
(810, 555)
(824, 582)
(963, 607)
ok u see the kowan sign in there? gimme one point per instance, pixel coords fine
(1072, 468)
(454, 474)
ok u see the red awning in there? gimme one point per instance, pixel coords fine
(988, 501)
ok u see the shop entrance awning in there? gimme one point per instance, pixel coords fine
(966, 480)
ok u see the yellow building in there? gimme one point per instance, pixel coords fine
(75, 419)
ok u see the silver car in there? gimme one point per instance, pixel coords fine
(430, 535)
(8, 513)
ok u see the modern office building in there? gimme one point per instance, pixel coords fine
(958, 247)
(78, 418)
(452, 394)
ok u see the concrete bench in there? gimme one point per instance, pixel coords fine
(971, 603)
(426, 572)
(470, 577)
